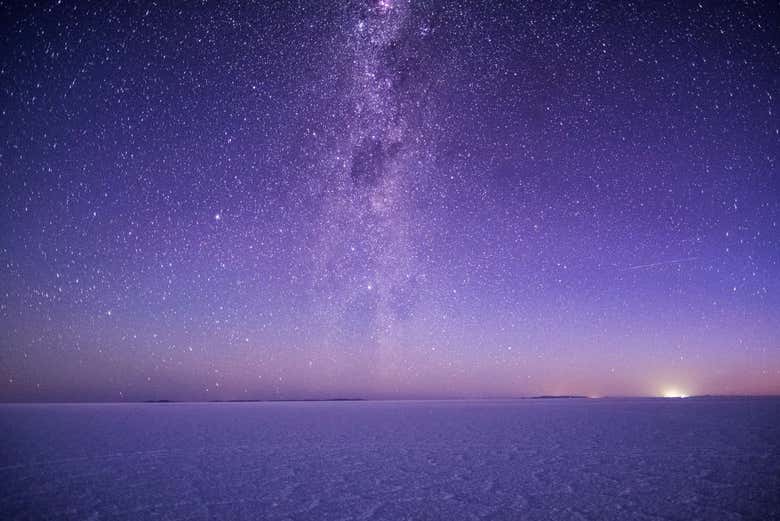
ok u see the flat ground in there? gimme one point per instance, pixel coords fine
(712, 459)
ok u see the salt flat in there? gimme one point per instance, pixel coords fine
(578, 459)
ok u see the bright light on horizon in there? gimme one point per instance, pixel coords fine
(674, 393)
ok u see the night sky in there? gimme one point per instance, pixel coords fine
(388, 199)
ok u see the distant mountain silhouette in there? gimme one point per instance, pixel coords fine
(556, 396)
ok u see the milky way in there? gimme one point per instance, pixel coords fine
(388, 198)
(369, 261)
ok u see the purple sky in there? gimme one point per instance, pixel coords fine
(388, 199)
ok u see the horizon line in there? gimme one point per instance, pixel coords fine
(389, 399)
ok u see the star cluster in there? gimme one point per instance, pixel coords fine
(388, 199)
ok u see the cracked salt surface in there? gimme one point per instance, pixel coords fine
(710, 459)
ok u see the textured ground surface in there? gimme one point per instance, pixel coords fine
(707, 459)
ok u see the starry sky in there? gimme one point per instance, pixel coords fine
(389, 198)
